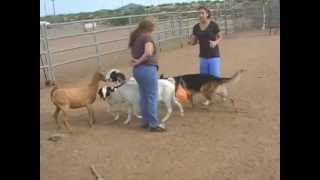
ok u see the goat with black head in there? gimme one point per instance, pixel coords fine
(129, 92)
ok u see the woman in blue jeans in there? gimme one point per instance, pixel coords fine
(145, 67)
(208, 35)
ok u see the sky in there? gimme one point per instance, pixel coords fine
(76, 6)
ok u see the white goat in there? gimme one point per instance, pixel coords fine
(129, 91)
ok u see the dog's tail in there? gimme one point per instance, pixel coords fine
(234, 78)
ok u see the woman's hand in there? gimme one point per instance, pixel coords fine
(217, 41)
(193, 40)
(148, 52)
(134, 62)
(213, 44)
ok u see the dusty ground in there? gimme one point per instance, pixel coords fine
(208, 143)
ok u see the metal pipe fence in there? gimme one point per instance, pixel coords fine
(169, 25)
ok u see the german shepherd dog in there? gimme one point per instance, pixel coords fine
(206, 84)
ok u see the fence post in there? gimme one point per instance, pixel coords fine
(188, 30)
(45, 72)
(180, 29)
(97, 47)
(130, 20)
(225, 18)
(270, 19)
(43, 57)
(158, 41)
(47, 49)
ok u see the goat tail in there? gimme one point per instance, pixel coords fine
(53, 90)
(234, 78)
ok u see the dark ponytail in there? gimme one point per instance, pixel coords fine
(144, 26)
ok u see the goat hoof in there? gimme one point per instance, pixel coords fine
(126, 122)
(162, 125)
(116, 118)
(181, 114)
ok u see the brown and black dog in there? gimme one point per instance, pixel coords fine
(206, 84)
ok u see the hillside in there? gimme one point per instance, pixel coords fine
(128, 9)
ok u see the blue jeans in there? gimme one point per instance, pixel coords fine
(210, 66)
(147, 79)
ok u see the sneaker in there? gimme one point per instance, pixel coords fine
(145, 126)
(157, 129)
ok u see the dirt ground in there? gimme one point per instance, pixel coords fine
(208, 143)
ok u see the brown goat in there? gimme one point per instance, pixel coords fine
(73, 98)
